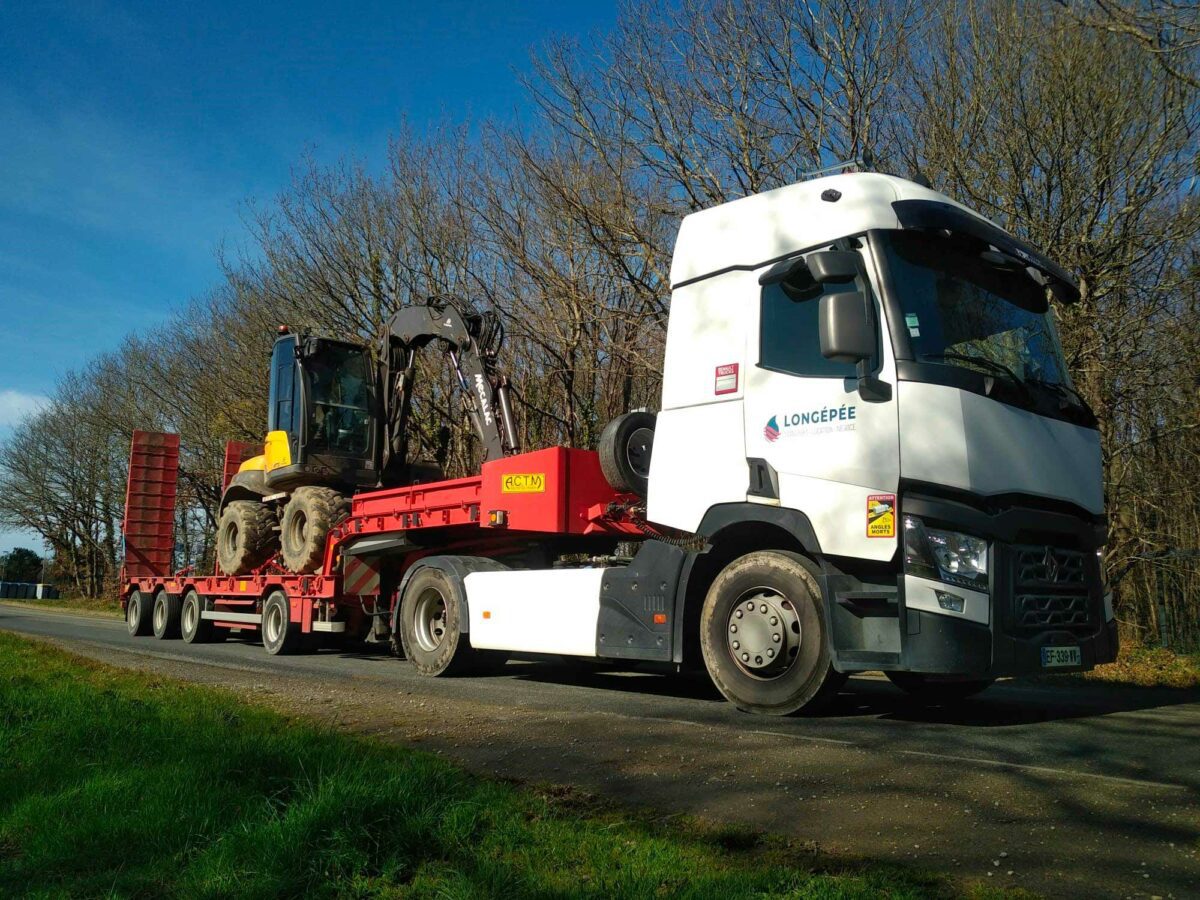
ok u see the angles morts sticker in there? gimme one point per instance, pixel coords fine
(881, 516)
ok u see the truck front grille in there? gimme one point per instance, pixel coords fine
(1039, 566)
(1051, 590)
(1042, 612)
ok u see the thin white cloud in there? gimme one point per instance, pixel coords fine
(16, 405)
(79, 168)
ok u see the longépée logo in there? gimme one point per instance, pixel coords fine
(816, 421)
(771, 432)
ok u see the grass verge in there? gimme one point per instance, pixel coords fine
(90, 606)
(120, 784)
(1150, 667)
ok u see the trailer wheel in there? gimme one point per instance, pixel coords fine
(310, 514)
(167, 608)
(933, 689)
(193, 627)
(431, 611)
(625, 448)
(245, 536)
(763, 635)
(280, 635)
(139, 613)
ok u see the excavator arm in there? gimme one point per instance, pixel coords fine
(472, 342)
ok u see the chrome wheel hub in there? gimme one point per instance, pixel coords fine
(763, 635)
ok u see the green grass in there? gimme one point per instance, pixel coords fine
(93, 606)
(119, 784)
(1150, 667)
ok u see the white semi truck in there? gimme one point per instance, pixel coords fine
(868, 456)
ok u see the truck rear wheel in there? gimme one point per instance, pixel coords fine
(245, 536)
(139, 613)
(431, 612)
(167, 608)
(935, 689)
(310, 514)
(764, 636)
(280, 635)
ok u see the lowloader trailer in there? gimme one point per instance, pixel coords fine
(868, 456)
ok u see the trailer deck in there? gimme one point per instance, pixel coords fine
(515, 501)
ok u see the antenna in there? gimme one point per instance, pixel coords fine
(864, 162)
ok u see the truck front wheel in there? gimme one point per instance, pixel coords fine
(763, 635)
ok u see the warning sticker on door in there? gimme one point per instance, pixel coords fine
(881, 516)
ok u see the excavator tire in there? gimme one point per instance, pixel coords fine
(245, 536)
(310, 514)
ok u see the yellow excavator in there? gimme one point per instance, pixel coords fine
(337, 422)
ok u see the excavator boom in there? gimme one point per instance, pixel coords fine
(471, 342)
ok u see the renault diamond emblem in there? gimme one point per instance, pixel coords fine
(1052, 565)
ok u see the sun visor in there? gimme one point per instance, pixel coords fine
(934, 215)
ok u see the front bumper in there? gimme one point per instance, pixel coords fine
(939, 644)
(1046, 590)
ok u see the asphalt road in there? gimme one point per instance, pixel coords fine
(1063, 788)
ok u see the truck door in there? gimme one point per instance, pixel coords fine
(834, 454)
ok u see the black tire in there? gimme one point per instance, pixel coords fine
(165, 619)
(139, 614)
(245, 536)
(626, 445)
(195, 629)
(431, 612)
(935, 689)
(310, 514)
(769, 603)
(280, 635)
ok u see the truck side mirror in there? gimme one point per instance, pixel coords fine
(846, 332)
(832, 266)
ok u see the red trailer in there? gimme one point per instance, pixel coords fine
(530, 509)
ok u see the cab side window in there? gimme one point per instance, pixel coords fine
(789, 331)
(283, 365)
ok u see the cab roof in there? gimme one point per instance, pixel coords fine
(756, 230)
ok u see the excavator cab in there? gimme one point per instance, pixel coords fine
(322, 418)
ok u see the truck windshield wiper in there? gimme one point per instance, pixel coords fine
(985, 363)
(1065, 391)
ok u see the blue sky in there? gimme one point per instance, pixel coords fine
(132, 135)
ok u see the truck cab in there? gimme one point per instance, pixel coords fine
(865, 373)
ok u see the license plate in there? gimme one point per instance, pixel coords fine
(1054, 657)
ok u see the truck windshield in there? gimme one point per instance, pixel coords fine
(966, 306)
(340, 400)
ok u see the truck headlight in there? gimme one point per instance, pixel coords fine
(949, 556)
